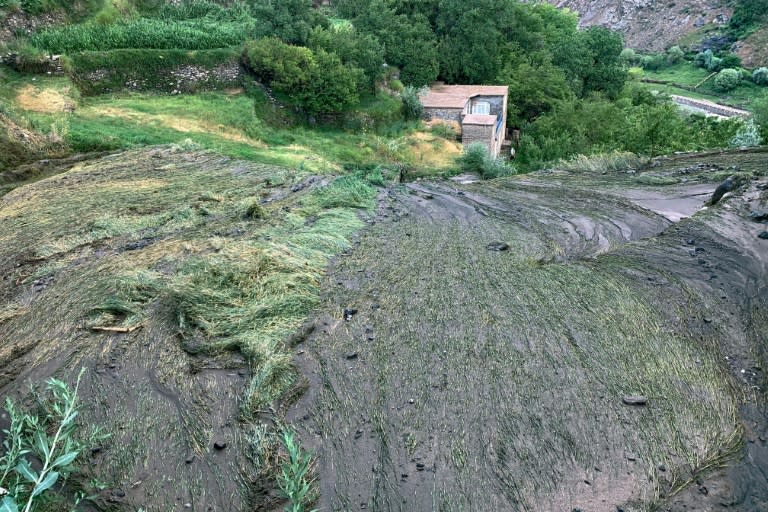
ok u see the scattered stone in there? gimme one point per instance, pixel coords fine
(220, 445)
(707, 320)
(662, 468)
(498, 246)
(419, 466)
(358, 434)
(349, 313)
(758, 216)
(375, 306)
(763, 235)
(587, 482)
(692, 252)
(190, 459)
(635, 400)
(351, 356)
(187, 505)
(691, 241)
(411, 401)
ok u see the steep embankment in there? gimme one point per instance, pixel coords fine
(449, 375)
(649, 24)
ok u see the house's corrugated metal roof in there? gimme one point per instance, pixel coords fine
(456, 96)
(479, 119)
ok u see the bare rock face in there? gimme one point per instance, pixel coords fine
(650, 24)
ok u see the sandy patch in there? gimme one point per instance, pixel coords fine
(49, 101)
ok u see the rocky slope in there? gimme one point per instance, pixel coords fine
(650, 24)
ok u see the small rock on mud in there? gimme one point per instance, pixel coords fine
(349, 313)
(635, 400)
(763, 235)
(498, 246)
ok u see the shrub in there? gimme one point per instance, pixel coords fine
(708, 61)
(730, 60)
(653, 62)
(412, 107)
(747, 136)
(629, 57)
(675, 55)
(727, 79)
(396, 85)
(760, 76)
(476, 159)
(316, 82)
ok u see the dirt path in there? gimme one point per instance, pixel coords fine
(473, 378)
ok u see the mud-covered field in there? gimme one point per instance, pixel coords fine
(473, 378)
(479, 347)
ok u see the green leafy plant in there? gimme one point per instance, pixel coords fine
(295, 480)
(49, 438)
(727, 80)
(412, 107)
(477, 159)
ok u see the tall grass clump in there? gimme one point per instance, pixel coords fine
(143, 33)
(48, 439)
(346, 192)
(615, 161)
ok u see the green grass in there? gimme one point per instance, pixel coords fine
(689, 77)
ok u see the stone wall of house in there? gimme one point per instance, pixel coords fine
(477, 133)
(446, 114)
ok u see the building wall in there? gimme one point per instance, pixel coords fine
(496, 102)
(446, 114)
(476, 133)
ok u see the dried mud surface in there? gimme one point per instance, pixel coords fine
(472, 378)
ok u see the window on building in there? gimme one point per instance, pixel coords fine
(481, 107)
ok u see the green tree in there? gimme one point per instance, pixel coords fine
(289, 20)
(675, 55)
(536, 86)
(316, 82)
(603, 71)
(727, 79)
(355, 49)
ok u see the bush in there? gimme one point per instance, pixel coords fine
(727, 79)
(653, 62)
(747, 136)
(316, 82)
(412, 107)
(708, 61)
(628, 56)
(760, 76)
(675, 55)
(476, 159)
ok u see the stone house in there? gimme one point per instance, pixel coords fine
(480, 111)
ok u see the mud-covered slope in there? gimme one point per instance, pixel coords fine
(173, 276)
(470, 378)
(650, 24)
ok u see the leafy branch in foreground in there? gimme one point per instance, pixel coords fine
(39, 451)
(295, 480)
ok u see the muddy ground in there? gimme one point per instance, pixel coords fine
(474, 378)
(493, 332)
